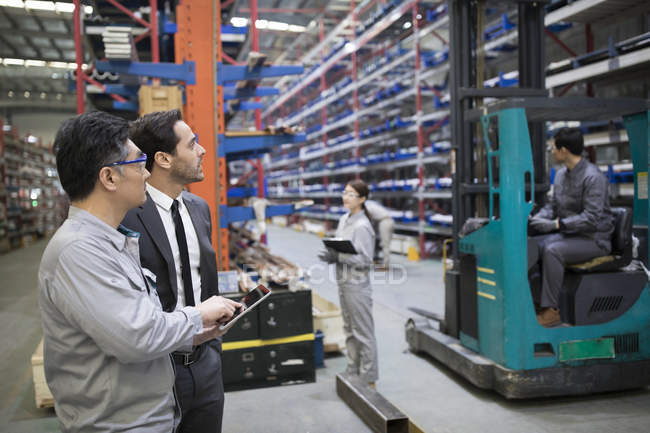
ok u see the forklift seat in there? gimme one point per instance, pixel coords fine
(621, 254)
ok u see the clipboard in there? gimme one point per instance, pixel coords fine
(340, 245)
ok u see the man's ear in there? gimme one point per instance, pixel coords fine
(109, 178)
(163, 159)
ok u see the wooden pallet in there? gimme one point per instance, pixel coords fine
(42, 393)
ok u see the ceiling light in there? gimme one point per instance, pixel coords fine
(72, 66)
(26, 94)
(12, 3)
(59, 96)
(239, 21)
(39, 5)
(11, 93)
(64, 7)
(261, 24)
(88, 10)
(407, 25)
(57, 64)
(297, 29)
(276, 25)
(43, 95)
(14, 62)
(40, 63)
(418, 16)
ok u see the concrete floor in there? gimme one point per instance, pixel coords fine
(435, 398)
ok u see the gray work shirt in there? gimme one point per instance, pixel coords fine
(106, 339)
(580, 200)
(352, 270)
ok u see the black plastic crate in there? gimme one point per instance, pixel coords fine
(286, 313)
(283, 314)
(268, 365)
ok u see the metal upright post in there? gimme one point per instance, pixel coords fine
(204, 107)
(355, 92)
(460, 55)
(255, 46)
(532, 64)
(420, 132)
(323, 116)
(153, 26)
(78, 50)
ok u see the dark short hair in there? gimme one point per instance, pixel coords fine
(154, 132)
(571, 138)
(83, 145)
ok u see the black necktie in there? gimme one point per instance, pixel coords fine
(186, 275)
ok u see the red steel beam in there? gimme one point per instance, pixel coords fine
(230, 59)
(153, 27)
(227, 3)
(129, 13)
(557, 40)
(101, 86)
(141, 37)
(78, 50)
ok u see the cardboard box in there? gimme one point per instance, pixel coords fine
(159, 98)
(328, 319)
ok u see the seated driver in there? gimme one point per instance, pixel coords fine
(576, 224)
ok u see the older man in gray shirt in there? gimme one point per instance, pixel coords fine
(577, 222)
(106, 339)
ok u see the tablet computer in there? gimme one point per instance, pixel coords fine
(340, 245)
(249, 301)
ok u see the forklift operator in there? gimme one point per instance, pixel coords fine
(576, 224)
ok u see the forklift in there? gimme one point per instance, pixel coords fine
(490, 334)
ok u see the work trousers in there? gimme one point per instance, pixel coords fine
(555, 251)
(359, 330)
(199, 389)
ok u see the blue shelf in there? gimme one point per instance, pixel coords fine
(251, 146)
(121, 89)
(244, 106)
(232, 73)
(183, 72)
(126, 106)
(243, 191)
(229, 92)
(234, 214)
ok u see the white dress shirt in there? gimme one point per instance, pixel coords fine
(164, 205)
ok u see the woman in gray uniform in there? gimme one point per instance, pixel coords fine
(353, 279)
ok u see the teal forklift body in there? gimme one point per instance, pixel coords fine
(512, 353)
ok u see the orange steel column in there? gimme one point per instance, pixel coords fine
(199, 25)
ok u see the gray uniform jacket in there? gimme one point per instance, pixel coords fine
(352, 270)
(106, 339)
(580, 200)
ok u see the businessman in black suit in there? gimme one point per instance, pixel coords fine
(175, 244)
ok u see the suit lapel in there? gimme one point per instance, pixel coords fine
(151, 221)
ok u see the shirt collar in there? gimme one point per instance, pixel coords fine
(579, 166)
(161, 199)
(118, 237)
(357, 215)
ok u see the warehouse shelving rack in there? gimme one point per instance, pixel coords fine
(412, 128)
(31, 199)
(291, 183)
(209, 93)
